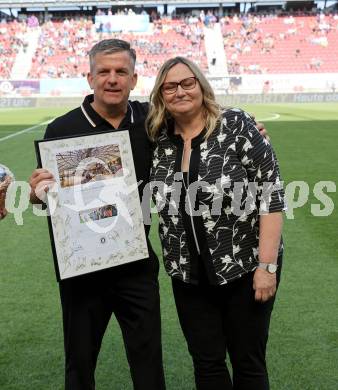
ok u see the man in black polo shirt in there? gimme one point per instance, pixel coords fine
(129, 291)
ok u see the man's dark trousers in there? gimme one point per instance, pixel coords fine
(129, 291)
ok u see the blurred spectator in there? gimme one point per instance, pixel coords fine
(315, 63)
(32, 21)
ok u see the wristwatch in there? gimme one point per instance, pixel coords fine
(270, 267)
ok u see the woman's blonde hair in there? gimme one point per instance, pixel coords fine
(158, 115)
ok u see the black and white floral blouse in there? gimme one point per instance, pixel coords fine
(237, 178)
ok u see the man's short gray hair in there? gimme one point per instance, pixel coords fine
(108, 46)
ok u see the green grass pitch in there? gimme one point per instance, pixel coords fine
(303, 343)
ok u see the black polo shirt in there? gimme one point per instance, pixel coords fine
(85, 120)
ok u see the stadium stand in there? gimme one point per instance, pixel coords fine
(75, 37)
(12, 39)
(67, 58)
(253, 44)
(170, 38)
(272, 44)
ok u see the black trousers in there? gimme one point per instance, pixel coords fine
(217, 320)
(129, 291)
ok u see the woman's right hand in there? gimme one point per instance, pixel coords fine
(264, 285)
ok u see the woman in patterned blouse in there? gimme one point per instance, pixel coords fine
(217, 188)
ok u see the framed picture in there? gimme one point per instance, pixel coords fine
(95, 216)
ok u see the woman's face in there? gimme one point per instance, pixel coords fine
(182, 102)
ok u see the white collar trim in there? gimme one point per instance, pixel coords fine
(131, 113)
(94, 124)
(87, 116)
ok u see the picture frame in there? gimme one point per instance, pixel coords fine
(94, 210)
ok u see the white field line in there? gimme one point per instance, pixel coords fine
(24, 130)
(273, 117)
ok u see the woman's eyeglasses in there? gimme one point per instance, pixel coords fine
(170, 88)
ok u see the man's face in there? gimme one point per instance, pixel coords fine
(112, 78)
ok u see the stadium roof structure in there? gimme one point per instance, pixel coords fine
(102, 3)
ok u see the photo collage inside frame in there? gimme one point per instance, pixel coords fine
(78, 167)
